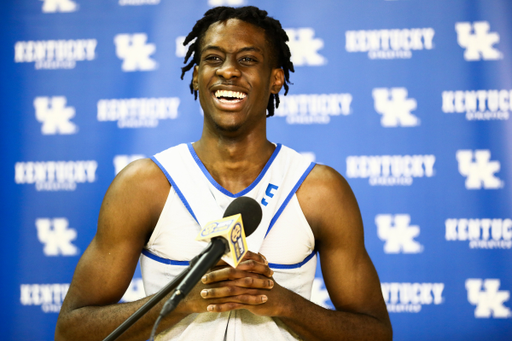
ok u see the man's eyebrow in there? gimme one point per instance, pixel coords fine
(244, 49)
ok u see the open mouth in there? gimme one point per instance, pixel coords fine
(228, 96)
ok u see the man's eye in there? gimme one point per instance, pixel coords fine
(212, 58)
(247, 60)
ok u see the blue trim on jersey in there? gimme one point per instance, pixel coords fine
(148, 254)
(292, 266)
(289, 197)
(159, 259)
(176, 188)
(222, 189)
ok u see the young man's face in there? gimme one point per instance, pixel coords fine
(235, 75)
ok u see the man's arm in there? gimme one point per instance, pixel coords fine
(350, 277)
(128, 214)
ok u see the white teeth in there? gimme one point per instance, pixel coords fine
(230, 94)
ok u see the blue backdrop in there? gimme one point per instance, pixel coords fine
(409, 100)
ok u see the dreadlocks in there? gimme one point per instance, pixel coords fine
(275, 35)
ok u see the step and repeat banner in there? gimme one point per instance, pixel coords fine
(409, 100)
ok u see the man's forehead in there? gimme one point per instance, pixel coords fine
(235, 31)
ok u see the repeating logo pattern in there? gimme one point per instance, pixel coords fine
(389, 44)
(55, 54)
(478, 169)
(395, 107)
(56, 236)
(390, 170)
(55, 116)
(411, 297)
(397, 233)
(488, 299)
(135, 52)
(52, 6)
(478, 41)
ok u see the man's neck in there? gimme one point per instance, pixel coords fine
(234, 163)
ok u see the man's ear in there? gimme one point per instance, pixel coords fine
(277, 80)
(195, 82)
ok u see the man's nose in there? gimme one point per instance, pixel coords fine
(228, 69)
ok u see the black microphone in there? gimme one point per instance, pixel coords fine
(226, 234)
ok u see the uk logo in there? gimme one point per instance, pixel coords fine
(397, 233)
(395, 107)
(478, 169)
(489, 301)
(56, 235)
(304, 47)
(135, 52)
(55, 116)
(52, 6)
(478, 41)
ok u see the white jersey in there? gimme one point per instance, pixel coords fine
(284, 237)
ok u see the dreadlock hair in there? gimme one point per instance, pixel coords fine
(275, 36)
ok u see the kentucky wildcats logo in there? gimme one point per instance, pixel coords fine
(479, 172)
(52, 6)
(389, 44)
(478, 44)
(48, 296)
(54, 115)
(482, 105)
(395, 107)
(410, 297)
(481, 233)
(304, 47)
(397, 233)
(56, 236)
(313, 108)
(135, 52)
(490, 301)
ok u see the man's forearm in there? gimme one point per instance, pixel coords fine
(313, 323)
(97, 322)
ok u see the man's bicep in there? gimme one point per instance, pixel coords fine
(348, 271)
(352, 282)
(126, 219)
(101, 276)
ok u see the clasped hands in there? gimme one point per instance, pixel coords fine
(250, 286)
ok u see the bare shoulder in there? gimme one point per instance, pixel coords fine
(329, 204)
(137, 194)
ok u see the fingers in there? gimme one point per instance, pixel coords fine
(253, 265)
(241, 302)
(247, 285)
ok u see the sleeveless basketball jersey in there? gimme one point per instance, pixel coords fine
(284, 237)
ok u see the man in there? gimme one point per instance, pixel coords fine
(156, 207)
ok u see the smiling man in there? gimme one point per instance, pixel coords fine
(156, 207)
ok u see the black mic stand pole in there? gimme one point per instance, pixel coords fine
(151, 303)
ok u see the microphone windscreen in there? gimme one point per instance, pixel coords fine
(250, 211)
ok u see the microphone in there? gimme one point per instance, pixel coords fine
(241, 219)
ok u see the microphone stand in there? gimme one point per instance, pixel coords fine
(151, 303)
